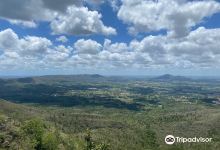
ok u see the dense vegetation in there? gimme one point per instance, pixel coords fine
(92, 112)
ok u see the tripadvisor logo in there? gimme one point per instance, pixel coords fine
(170, 140)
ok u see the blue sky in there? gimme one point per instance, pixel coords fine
(117, 37)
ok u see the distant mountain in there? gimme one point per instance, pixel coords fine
(73, 76)
(69, 78)
(84, 78)
(17, 80)
(25, 80)
(96, 76)
(168, 77)
(52, 79)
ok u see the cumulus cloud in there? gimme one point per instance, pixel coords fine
(115, 47)
(30, 52)
(114, 4)
(28, 10)
(28, 46)
(59, 5)
(34, 46)
(80, 21)
(96, 3)
(8, 40)
(62, 39)
(29, 24)
(58, 54)
(66, 16)
(25, 10)
(199, 49)
(87, 47)
(176, 16)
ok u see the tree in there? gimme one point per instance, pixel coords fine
(49, 141)
(34, 129)
(91, 145)
(89, 142)
(151, 139)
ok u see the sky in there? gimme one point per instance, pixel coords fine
(110, 37)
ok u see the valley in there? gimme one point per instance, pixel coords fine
(119, 113)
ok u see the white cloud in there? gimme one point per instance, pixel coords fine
(11, 55)
(34, 46)
(66, 16)
(29, 46)
(115, 47)
(176, 16)
(29, 24)
(30, 51)
(87, 47)
(25, 10)
(96, 3)
(62, 39)
(28, 10)
(199, 49)
(114, 4)
(80, 21)
(59, 54)
(8, 40)
(61, 5)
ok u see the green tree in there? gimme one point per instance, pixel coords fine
(151, 139)
(89, 141)
(49, 142)
(34, 130)
(91, 145)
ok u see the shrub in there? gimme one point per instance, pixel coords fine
(34, 129)
(49, 142)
